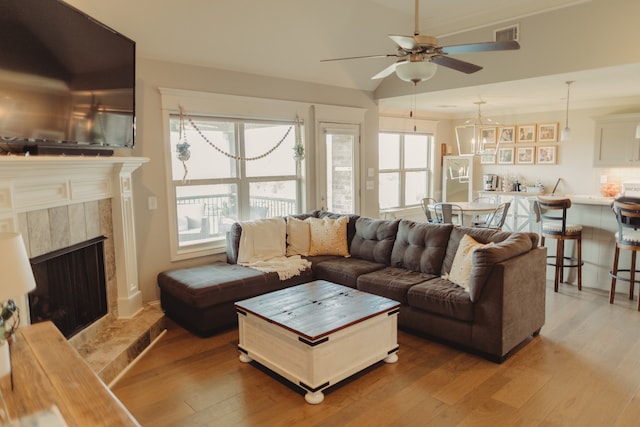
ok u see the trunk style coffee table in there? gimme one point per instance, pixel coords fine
(318, 333)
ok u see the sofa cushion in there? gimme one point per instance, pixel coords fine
(374, 239)
(344, 271)
(328, 236)
(420, 246)
(212, 284)
(460, 273)
(298, 237)
(391, 282)
(443, 297)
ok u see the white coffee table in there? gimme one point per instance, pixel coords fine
(318, 333)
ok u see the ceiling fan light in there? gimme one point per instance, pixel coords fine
(416, 72)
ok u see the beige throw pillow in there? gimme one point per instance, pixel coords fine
(298, 237)
(462, 263)
(328, 236)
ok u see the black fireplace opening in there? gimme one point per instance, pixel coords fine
(70, 286)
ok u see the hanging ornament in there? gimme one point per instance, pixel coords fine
(298, 148)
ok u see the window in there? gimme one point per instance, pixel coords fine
(403, 168)
(233, 170)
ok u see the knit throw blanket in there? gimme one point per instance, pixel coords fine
(263, 247)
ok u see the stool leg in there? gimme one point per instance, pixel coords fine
(561, 243)
(612, 292)
(580, 263)
(632, 275)
(558, 264)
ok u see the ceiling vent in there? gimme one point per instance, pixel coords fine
(507, 34)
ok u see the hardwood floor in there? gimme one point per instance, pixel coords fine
(582, 370)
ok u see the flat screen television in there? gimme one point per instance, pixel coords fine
(66, 79)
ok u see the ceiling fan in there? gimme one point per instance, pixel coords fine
(421, 53)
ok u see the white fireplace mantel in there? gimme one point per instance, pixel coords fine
(30, 183)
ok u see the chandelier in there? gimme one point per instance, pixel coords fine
(476, 135)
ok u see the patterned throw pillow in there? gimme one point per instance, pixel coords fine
(298, 237)
(328, 236)
(462, 263)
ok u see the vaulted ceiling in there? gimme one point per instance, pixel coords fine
(289, 38)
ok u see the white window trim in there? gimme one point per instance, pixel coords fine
(243, 107)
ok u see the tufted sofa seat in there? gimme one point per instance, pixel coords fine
(408, 261)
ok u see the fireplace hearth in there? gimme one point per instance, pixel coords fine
(70, 286)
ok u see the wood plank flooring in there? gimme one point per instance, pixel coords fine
(582, 370)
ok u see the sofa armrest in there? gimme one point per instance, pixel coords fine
(512, 304)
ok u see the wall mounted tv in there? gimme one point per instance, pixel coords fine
(66, 80)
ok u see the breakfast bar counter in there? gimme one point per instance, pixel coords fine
(593, 212)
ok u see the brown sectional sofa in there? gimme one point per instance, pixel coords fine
(399, 259)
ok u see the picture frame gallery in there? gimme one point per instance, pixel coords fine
(520, 144)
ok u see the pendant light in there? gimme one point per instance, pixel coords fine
(566, 132)
(469, 134)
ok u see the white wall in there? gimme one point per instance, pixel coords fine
(575, 157)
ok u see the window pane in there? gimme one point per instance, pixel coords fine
(389, 193)
(271, 199)
(262, 137)
(415, 187)
(415, 151)
(205, 161)
(388, 151)
(204, 212)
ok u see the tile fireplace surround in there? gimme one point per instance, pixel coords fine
(57, 201)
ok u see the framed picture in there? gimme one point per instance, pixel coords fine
(488, 135)
(488, 157)
(526, 133)
(548, 132)
(507, 134)
(525, 155)
(505, 156)
(546, 155)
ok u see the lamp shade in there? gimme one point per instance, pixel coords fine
(416, 72)
(16, 275)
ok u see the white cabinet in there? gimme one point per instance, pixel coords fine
(615, 141)
(520, 215)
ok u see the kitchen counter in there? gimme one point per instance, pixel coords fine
(578, 199)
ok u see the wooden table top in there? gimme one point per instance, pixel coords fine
(48, 371)
(316, 309)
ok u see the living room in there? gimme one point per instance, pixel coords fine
(586, 35)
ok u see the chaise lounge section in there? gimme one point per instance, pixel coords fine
(499, 303)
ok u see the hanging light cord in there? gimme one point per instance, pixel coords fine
(567, 115)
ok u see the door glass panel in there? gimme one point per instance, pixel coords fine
(340, 176)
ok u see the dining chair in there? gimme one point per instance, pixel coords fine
(425, 203)
(495, 220)
(444, 213)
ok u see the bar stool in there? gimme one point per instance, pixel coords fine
(627, 211)
(553, 225)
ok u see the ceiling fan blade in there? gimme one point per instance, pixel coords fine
(480, 47)
(456, 64)
(405, 42)
(388, 71)
(387, 55)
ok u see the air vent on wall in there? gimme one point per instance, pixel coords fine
(507, 34)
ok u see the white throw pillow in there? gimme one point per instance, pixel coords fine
(298, 237)
(462, 263)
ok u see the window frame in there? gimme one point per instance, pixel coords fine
(402, 171)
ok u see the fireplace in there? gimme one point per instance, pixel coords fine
(70, 286)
